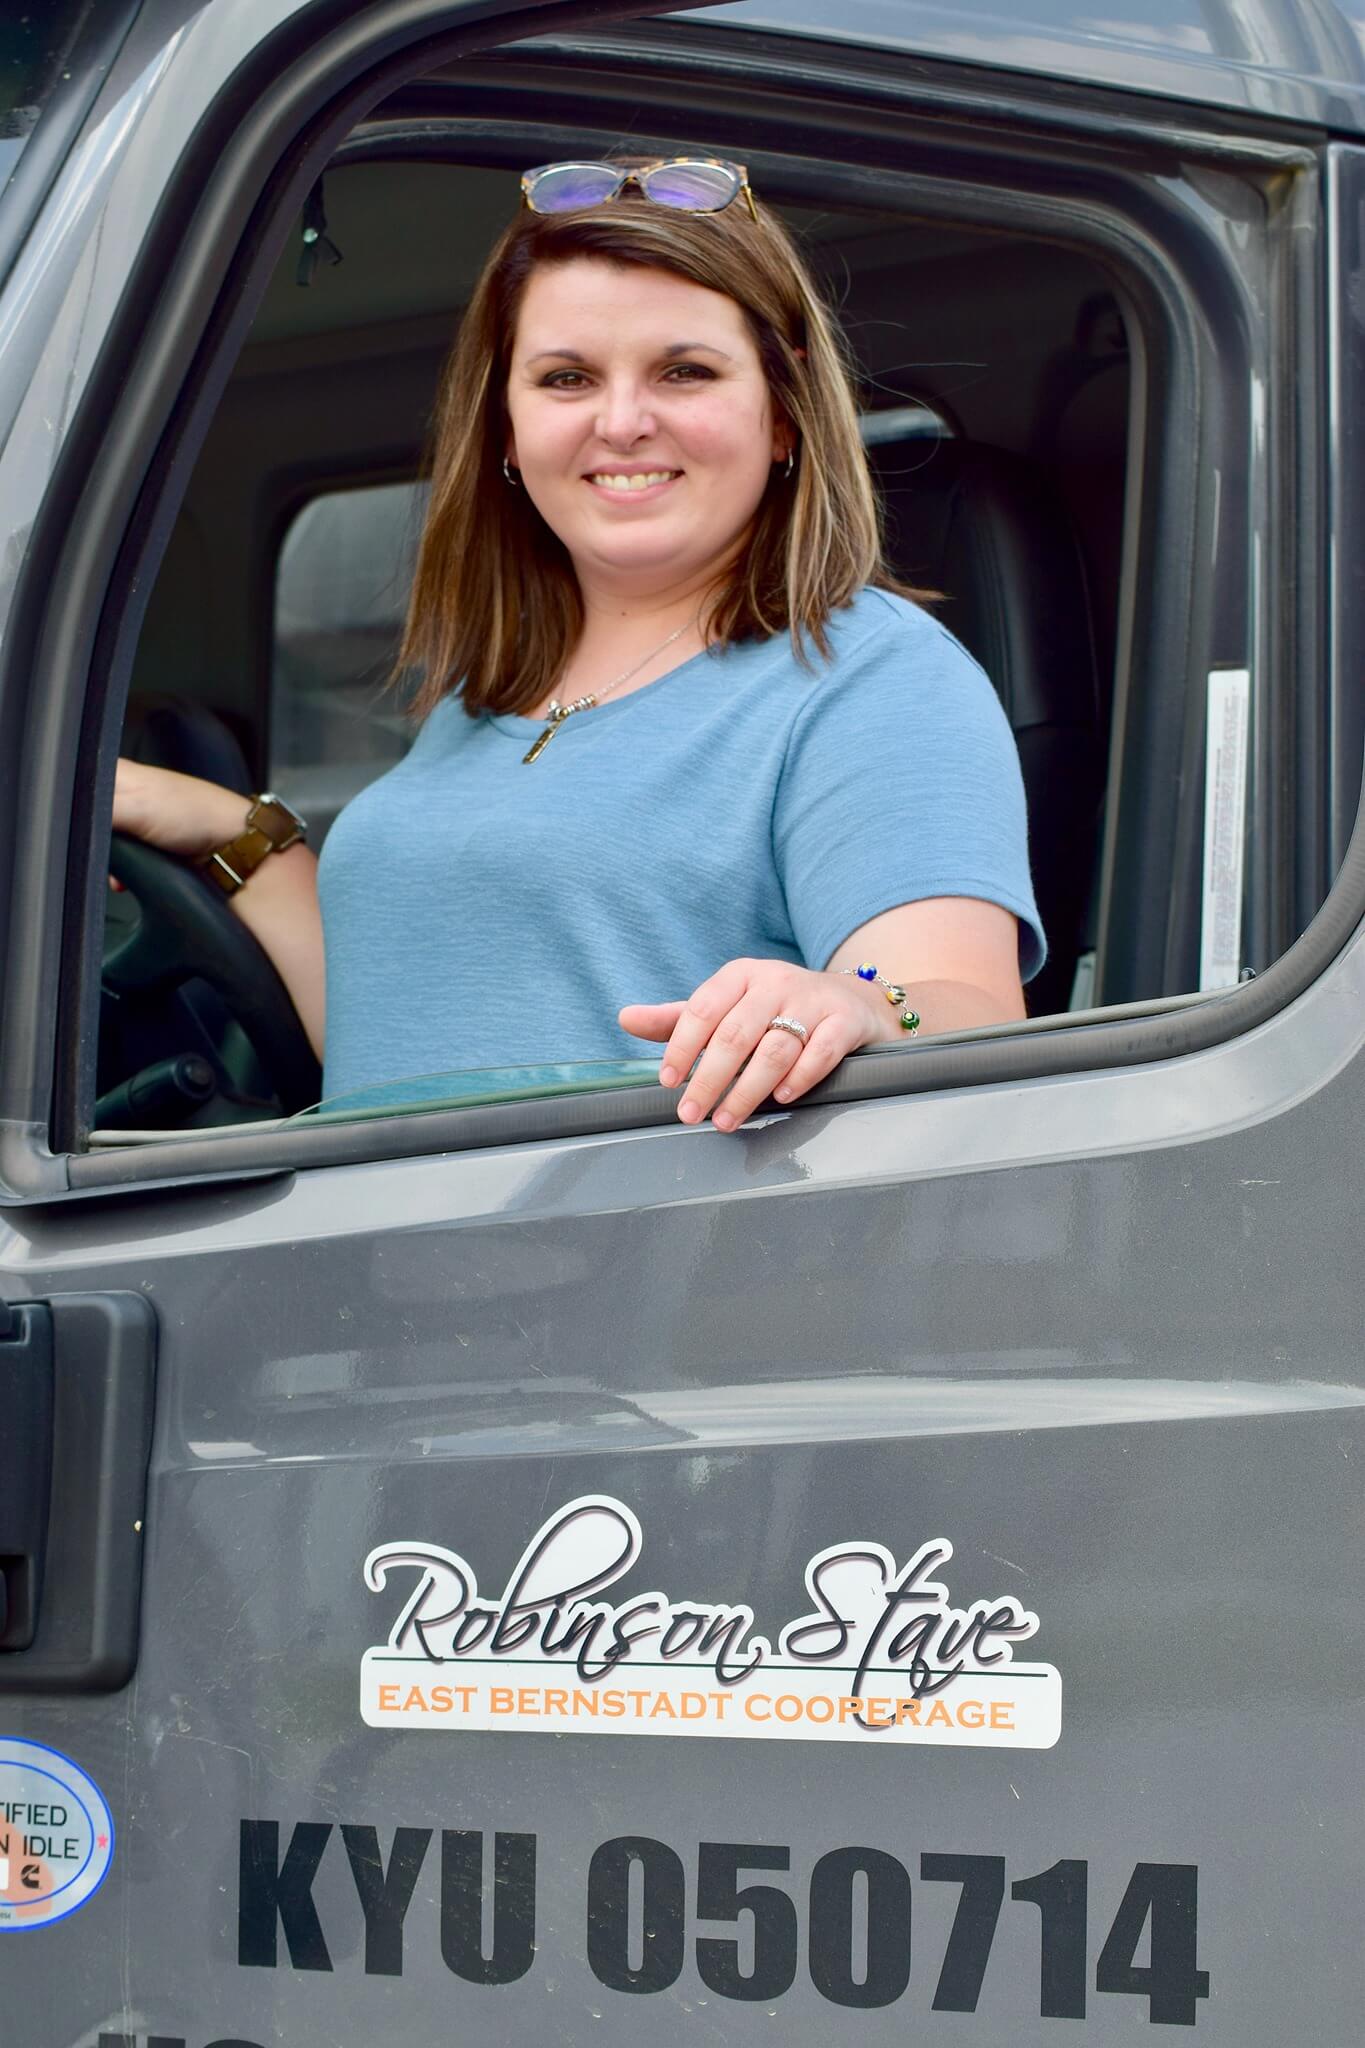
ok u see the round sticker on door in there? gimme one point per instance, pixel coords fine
(56, 1835)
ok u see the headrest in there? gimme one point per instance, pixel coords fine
(986, 529)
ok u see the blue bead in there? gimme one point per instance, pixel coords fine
(867, 973)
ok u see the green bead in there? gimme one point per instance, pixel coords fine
(909, 1020)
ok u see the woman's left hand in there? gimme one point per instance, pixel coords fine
(727, 1021)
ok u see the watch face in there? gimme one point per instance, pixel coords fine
(271, 815)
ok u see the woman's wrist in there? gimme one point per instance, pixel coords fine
(895, 1018)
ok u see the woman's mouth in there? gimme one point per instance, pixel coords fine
(621, 483)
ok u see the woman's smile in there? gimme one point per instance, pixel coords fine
(633, 485)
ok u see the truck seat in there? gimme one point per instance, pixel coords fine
(987, 530)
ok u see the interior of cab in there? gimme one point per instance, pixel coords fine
(997, 387)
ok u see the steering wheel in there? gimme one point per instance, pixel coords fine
(187, 932)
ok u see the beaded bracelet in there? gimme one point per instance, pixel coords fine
(909, 1019)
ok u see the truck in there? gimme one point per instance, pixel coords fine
(481, 1562)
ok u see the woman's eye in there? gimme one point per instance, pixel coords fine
(555, 381)
(688, 373)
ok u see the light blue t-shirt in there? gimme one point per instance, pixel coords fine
(479, 913)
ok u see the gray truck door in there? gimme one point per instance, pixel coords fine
(895, 1569)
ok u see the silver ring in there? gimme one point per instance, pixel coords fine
(788, 1024)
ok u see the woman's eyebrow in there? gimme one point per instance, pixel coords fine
(676, 348)
(691, 348)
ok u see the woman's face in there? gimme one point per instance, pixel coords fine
(640, 420)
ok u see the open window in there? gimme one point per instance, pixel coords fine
(1067, 414)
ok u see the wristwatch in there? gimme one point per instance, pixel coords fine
(270, 827)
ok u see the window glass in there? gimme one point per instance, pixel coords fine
(34, 45)
(341, 590)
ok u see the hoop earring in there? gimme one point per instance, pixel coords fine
(791, 465)
(507, 472)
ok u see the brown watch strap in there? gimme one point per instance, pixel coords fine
(270, 827)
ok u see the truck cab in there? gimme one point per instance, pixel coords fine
(479, 1558)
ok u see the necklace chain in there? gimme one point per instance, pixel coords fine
(556, 713)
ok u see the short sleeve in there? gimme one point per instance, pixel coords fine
(901, 782)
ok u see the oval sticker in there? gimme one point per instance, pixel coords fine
(56, 1836)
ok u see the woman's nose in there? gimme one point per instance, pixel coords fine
(626, 416)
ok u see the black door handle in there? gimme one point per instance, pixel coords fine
(76, 1385)
(25, 1465)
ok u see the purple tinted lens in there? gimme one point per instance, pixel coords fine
(566, 186)
(700, 188)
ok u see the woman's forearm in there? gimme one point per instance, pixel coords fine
(279, 907)
(188, 818)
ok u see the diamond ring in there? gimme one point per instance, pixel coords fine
(796, 1029)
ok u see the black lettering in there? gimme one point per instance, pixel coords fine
(1060, 1896)
(727, 1630)
(1171, 1982)
(385, 1895)
(1001, 1621)
(514, 1906)
(684, 1627)
(982, 1879)
(473, 1630)
(917, 1635)
(886, 1967)
(771, 1912)
(31, 1877)
(842, 1628)
(622, 1636)
(581, 1631)
(268, 1891)
(663, 1915)
(521, 1613)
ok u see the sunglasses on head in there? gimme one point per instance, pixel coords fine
(690, 183)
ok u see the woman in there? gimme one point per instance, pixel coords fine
(692, 768)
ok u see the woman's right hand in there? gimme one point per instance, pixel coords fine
(180, 814)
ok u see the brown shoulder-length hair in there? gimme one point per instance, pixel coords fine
(495, 609)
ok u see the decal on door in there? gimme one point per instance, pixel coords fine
(56, 1836)
(883, 1656)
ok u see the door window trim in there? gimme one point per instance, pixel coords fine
(99, 529)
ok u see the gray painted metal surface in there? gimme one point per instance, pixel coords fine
(1099, 1332)
(1293, 60)
(1085, 1329)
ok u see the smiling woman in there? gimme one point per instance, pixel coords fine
(784, 820)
